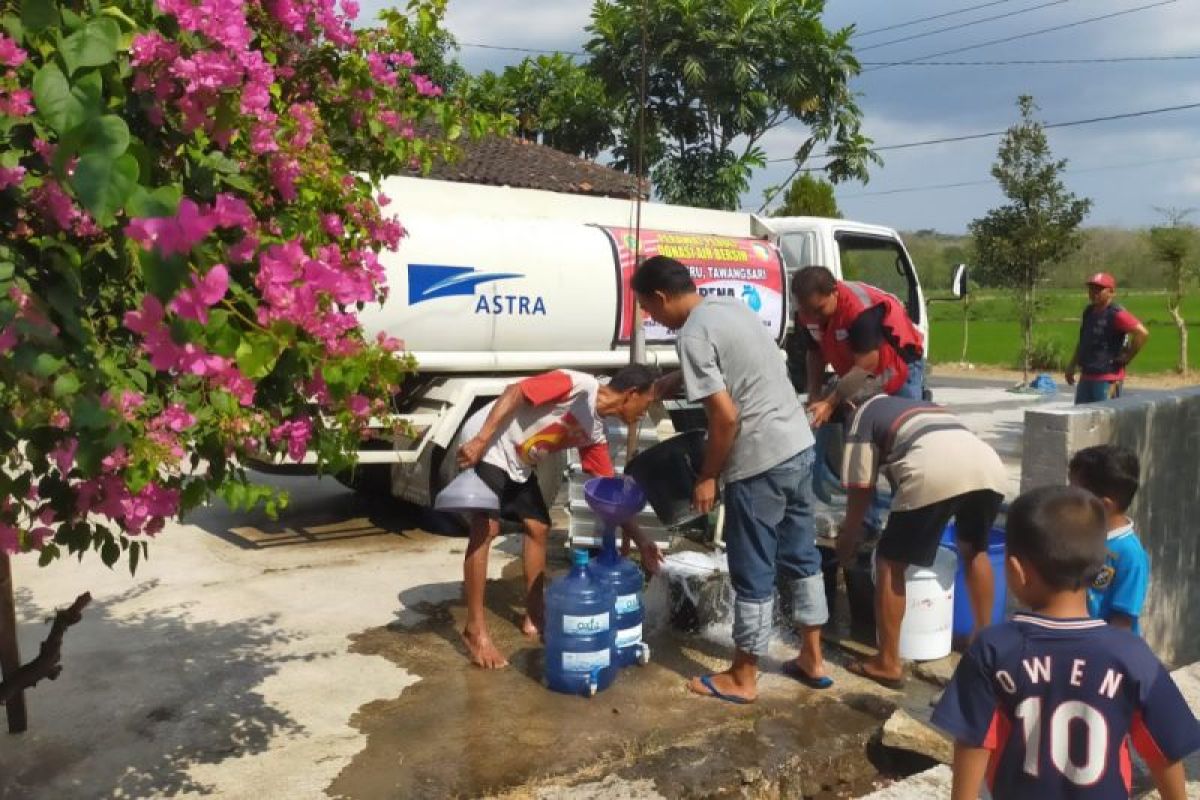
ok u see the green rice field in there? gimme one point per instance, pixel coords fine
(995, 336)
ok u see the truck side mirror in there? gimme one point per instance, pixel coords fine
(958, 284)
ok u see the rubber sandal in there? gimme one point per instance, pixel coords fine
(857, 668)
(793, 671)
(706, 682)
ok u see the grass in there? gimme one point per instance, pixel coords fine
(995, 336)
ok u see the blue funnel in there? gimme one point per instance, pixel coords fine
(614, 500)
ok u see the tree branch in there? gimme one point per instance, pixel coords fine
(46, 665)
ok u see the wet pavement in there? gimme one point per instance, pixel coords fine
(464, 732)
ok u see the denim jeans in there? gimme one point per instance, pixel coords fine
(770, 537)
(1093, 391)
(914, 386)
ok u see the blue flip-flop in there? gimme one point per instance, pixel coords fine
(793, 671)
(706, 682)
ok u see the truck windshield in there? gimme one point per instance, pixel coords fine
(881, 262)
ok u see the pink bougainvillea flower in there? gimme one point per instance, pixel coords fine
(389, 343)
(10, 53)
(231, 212)
(205, 292)
(64, 454)
(147, 319)
(125, 401)
(425, 86)
(244, 250)
(17, 103)
(10, 540)
(171, 235)
(55, 204)
(8, 338)
(296, 434)
(175, 418)
(350, 9)
(359, 406)
(11, 176)
(332, 224)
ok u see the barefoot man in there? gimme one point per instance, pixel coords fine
(504, 441)
(760, 443)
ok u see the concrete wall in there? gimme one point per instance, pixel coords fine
(1164, 430)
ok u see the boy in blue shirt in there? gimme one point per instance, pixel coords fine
(1119, 591)
(1048, 704)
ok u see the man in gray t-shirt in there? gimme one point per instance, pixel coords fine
(760, 443)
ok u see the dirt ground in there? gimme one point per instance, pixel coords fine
(1158, 380)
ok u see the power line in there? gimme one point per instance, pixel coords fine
(1031, 61)
(972, 136)
(1028, 34)
(990, 63)
(961, 25)
(931, 19)
(935, 186)
(482, 46)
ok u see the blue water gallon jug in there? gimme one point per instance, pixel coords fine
(581, 639)
(625, 578)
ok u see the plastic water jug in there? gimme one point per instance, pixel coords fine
(625, 579)
(581, 639)
(615, 500)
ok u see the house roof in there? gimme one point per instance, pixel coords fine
(502, 161)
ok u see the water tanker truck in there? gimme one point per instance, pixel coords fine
(493, 284)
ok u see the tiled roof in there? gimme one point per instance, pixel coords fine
(502, 161)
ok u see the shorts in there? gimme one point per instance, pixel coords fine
(518, 501)
(912, 537)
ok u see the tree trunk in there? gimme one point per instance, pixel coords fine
(1027, 333)
(10, 658)
(965, 330)
(1174, 299)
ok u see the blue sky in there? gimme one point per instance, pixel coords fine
(910, 103)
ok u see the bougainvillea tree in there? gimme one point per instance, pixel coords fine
(188, 224)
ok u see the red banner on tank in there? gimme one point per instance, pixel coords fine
(726, 266)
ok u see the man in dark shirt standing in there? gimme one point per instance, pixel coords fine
(1109, 338)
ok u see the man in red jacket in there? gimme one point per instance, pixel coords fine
(849, 324)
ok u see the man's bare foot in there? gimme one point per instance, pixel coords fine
(531, 628)
(482, 650)
(724, 684)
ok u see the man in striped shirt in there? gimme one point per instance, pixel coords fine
(938, 471)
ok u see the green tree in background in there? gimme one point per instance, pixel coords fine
(1173, 245)
(1018, 242)
(554, 102)
(808, 197)
(720, 75)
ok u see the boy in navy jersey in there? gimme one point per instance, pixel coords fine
(1119, 591)
(1046, 705)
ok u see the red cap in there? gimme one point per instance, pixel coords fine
(1102, 279)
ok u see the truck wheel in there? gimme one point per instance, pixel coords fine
(369, 480)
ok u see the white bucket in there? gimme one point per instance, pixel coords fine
(928, 627)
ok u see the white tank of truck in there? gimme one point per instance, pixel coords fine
(493, 284)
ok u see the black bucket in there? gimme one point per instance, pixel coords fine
(667, 473)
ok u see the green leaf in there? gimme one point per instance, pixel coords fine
(38, 14)
(93, 45)
(46, 365)
(223, 338)
(66, 385)
(160, 202)
(256, 355)
(110, 552)
(105, 185)
(163, 276)
(55, 104)
(107, 136)
(88, 414)
(135, 555)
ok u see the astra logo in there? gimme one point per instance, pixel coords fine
(431, 281)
